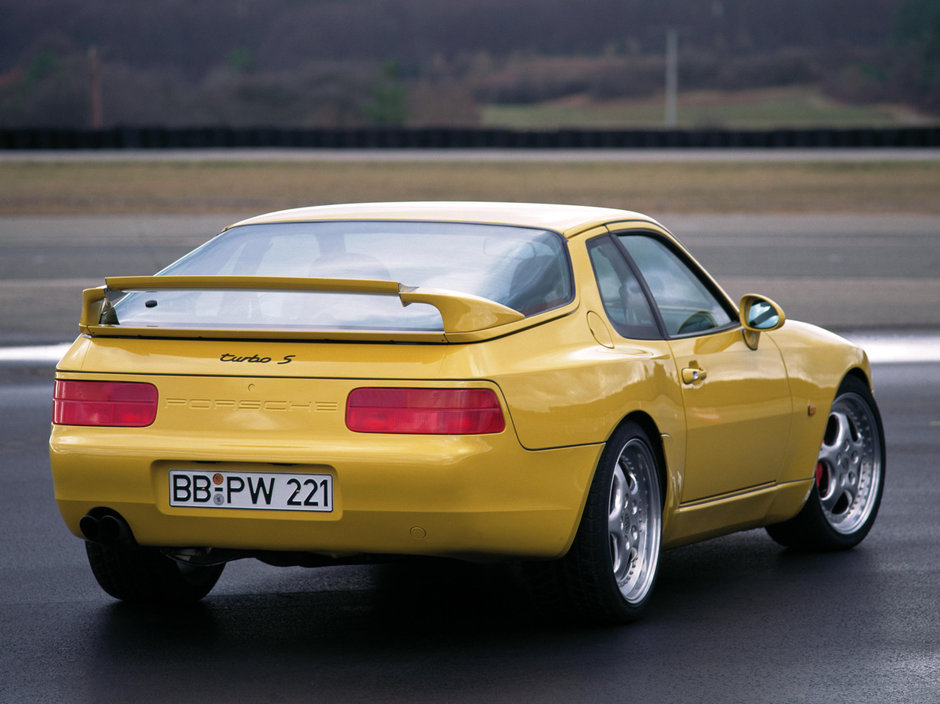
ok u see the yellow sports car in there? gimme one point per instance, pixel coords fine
(563, 386)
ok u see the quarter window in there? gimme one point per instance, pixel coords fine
(625, 303)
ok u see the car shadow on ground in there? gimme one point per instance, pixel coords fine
(434, 625)
(451, 599)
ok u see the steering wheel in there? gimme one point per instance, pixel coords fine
(699, 320)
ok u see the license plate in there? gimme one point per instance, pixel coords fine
(269, 491)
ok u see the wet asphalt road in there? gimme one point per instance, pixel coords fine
(736, 619)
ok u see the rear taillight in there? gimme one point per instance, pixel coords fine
(424, 411)
(106, 403)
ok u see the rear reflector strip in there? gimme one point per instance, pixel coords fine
(104, 403)
(424, 411)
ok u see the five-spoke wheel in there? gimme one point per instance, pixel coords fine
(844, 499)
(609, 572)
(634, 520)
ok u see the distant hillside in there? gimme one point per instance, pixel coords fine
(348, 62)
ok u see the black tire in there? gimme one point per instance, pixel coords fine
(144, 575)
(850, 475)
(610, 570)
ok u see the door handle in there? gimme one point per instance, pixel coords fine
(691, 375)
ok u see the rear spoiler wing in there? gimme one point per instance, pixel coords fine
(460, 312)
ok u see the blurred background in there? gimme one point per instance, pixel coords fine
(525, 64)
(848, 238)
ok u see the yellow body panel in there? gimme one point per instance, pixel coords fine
(566, 219)
(470, 497)
(738, 415)
(738, 444)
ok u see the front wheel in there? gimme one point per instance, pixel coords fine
(145, 575)
(849, 480)
(609, 572)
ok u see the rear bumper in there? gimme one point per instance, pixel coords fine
(470, 496)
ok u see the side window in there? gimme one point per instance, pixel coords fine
(624, 301)
(685, 303)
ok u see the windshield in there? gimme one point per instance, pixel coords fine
(523, 268)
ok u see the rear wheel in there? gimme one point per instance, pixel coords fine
(850, 473)
(145, 575)
(609, 573)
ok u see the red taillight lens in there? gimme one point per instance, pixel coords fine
(107, 403)
(424, 411)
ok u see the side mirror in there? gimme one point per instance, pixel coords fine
(758, 314)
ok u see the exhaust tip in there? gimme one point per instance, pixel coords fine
(90, 527)
(113, 529)
(105, 528)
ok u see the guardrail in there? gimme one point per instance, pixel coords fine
(41, 138)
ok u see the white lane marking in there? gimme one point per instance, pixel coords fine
(899, 348)
(34, 353)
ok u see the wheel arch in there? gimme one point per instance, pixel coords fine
(863, 377)
(649, 426)
(857, 373)
(813, 527)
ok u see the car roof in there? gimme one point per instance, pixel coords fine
(567, 219)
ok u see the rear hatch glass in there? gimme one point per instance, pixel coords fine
(525, 269)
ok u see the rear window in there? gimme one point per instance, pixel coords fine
(523, 268)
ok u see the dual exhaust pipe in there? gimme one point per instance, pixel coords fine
(106, 528)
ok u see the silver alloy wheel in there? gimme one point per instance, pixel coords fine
(634, 521)
(848, 470)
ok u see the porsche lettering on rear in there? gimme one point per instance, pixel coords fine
(248, 404)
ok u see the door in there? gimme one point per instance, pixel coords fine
(737, 400)
(737, 411)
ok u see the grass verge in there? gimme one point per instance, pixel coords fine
(798, 106)
(251, 187)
